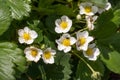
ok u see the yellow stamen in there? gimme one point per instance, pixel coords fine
(26, 36)
(63, 25)
(34, 52)
(82, 40)
(66, 42)
(47, 55)
(88, 9)
(89, 51)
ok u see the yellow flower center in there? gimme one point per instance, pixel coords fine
(26, 36)
(88, 9)
(47, 55)
(82, 40)
(63, 25)
(34, 52)
(89, 51)
(66, 42)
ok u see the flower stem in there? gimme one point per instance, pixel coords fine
(79, 30)
(85, 63)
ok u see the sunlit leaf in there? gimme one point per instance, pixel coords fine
(113, 61)
(18, 8)
(5, 17)
(12, 61)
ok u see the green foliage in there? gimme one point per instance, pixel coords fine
(105, 27)
(116, 18)
(40, 16)
(11, 9)
(63, 60)
(12, 61)
(18, 8)
(5, 18)
(114, 58)
(100, 3)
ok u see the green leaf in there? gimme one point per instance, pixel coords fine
(113, 61)
(40, 37)
(5, 17)
(45, 3)
(18, 8)
(52, 72)
(105, 27)
(12, 62)
(63, 60)
(116, 18)
(113, 41)
(83, 72)
(50, 23)
(99, 3)
(63, 10)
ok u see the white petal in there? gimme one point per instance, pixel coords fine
(58, 30)
(89, 39)
(94, 18)
(66, 35)
(69, 23)
(84, 47)
(53, 52)
(93, 58)
(67, 49)
(92, 45)
(40, 51)
(108, 6)
(72, 40)
(29, 41)
(37, 58)
(96, 52)
(64, 18)
(61, 47)
(57, 22)
(29, 57)
(50, 61)
(26, 29)
(20, 32)
(84, 53)
(66, 30)
(89, 14)
(94, 9)
(82, 11)
(33, 34)
(21, 40)
(82, 34)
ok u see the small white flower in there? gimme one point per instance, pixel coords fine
(33, 54)
(88, 8)
(26, 35)
(83, 39)
(92, 52)
(48, 56)
(65, 42)
(107, 7)
(63, 25)
(90, 21)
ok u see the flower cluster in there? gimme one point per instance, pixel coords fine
(89, 10)
(33, 53)
(83, 41)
